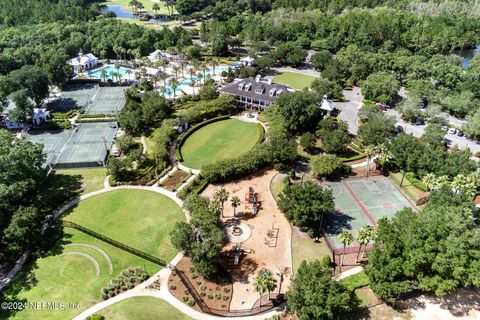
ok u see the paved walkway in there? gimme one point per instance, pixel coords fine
(18, 265)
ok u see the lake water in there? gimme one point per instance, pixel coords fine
(467, 55)
(122, 13)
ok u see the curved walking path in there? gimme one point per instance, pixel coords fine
(89, 257)
(103, 253)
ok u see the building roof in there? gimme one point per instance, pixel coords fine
(247, 59)
(327, 104)
(477, 201)
(82, 59)
(247, 88)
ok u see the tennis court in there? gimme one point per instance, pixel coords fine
(52, 141)
(107, 100)
(75, 96)
(83, 146)
(359, 202)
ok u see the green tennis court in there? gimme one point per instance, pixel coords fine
(359, 202)
(75, 96)
(83, 146)
(107, 100)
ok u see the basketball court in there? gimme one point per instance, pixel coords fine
(359, 202)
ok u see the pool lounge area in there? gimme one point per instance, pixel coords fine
(123, 74)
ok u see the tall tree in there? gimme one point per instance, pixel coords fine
(346, 238)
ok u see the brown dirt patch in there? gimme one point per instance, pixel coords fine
(261, 251)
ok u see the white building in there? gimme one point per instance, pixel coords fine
(39, 115)
(247, 61)
(159, 54)
(84, 62)
(327, 105)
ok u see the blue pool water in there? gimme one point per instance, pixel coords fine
(97, 74)
(122, 13)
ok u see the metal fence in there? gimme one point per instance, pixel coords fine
(115, 243)
(278, 299)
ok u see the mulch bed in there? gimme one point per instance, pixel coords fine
(175, 180)
(216, 292)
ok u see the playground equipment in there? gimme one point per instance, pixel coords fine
(273, 235)
(252, 203)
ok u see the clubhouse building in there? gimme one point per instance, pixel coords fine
(255, 93)
(84, 62)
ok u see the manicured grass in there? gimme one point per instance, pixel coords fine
(304, 248)
(219, 140)
(294, 80)
(356, 281)
(69, 279)
(138, 218)
(146, 3)
(142, 308)
(91, 178)
(410, 190)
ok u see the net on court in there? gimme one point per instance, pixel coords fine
(359, 202)
(107, 100)
(88, 144)
(75, 96)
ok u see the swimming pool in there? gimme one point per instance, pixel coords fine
(97, 73)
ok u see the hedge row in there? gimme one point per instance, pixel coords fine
(416, 182)
(99, 115)
(353, 158)
(261, 132)
(188, 133)
(87, 120)
(197, 185)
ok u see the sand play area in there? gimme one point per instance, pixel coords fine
(264, 239)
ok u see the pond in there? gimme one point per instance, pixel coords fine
(467, 55)
(122, 13)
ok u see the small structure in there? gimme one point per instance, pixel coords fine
(327, 105)
(252, 203)
(247, 61)
(38, 116)
(255, 93)
(159, 54)
(83, 62)
(182, 124)
(153, 72)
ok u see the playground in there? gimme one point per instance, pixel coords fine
(219, 140)
(359, 202)
(260, 237)
(86, 144)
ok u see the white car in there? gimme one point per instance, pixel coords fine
(452, 130)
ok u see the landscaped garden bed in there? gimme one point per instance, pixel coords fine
(215, 292)
(175, 180)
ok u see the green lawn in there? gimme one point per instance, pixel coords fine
(409, 189)
(69, 279)
(91, 178)
(304, 248)
(294, 79)
(146, 3)
(219, 140)
(138, 218)
(142, 308)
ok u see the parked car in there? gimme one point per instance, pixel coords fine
(460, 133)
(398, 129)
(382, 106)
(452, 130)
(420, 122)
(444, 128)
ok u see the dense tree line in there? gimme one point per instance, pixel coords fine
(435, 250)
(27, 196)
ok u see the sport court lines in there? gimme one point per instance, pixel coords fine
(359, 203)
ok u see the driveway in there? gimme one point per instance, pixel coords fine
(349, 108)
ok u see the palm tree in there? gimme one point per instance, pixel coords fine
(133, 4)
(112, 75)
(174, 85)
(104, 74)
(183, 64)
(129, 73)
(372, 232)
(370, 151)
(199, 77)
(222, 196)
(235, 203)
(215, 206)
(203, 66)
(384, 155)
(164, 77)
(175, 69)
(214, 64)
(363, 236)
(429, 180)
(140, 6)
(346, 238)
(162, 90)
(155, 8)
(155, 79)
(191, 72)
(264, 282)
(192, 84)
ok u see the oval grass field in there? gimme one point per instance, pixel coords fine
(141, 219)
(219, 140)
